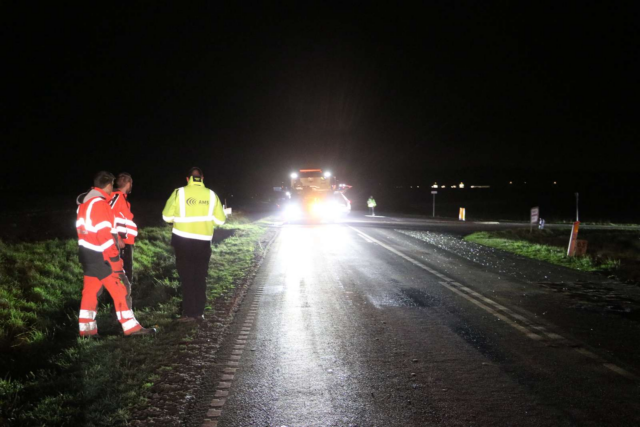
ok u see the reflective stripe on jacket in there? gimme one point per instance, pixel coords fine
(127, 229)
(371, 203)
(96, 228)
(194, 210)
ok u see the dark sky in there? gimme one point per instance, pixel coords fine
(250, 92)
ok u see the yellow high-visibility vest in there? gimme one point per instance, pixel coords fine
(194, 210)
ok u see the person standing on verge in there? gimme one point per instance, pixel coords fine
(127, 229)
(371, 203)
(100, 259)
(193, 210)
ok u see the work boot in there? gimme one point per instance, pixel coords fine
(143, 331)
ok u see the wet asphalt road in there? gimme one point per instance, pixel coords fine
(359, 325)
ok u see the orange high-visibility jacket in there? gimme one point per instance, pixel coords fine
(127, 229)
(96, 228)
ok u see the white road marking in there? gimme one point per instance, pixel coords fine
(216, 403)
(521, 328)
(365, 239)
(618, 370)
(528, 328)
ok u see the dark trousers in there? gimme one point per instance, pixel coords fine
(192, 262)
(126, 254)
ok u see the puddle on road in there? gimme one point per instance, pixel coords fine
(419, 298)
(405, 297)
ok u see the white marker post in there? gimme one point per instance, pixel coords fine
(535, 216)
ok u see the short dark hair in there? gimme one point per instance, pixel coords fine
(195, 171)
(122, 179)
(102, 179)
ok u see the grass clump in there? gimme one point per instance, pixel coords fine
(50, 376)
(551, 246)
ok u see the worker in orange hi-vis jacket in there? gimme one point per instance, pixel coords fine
(127, 229)
(100, 259)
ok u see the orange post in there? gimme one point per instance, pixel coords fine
(574, 239)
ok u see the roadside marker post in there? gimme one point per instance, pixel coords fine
(462, 214)
(535, 217)
(434, 203)
(573, 240)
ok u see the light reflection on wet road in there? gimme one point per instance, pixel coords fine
(349, 333)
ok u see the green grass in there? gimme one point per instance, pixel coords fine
(549, 246)
(49, 376)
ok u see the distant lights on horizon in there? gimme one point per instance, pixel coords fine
(435, 185)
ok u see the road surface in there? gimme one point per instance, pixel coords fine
(365, 325)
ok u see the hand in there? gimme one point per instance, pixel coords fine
(121, 243)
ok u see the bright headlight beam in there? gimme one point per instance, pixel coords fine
(327, 174)
(294, 175)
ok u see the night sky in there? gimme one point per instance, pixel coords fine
(250, 91)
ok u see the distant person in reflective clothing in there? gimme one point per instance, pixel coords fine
(193, 210)
(127, 229)
(371, 203)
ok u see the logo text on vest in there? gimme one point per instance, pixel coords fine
(192, 202)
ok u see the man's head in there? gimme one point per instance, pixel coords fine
(104, 181)
(195, 172)
(124, 182)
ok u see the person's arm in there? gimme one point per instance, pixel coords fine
(219, 216)
(132, 227)
(126, 221)
(106, 234)
(170, 208)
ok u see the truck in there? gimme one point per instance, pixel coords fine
(316, 196)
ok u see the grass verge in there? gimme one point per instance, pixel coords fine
(49, 376)
(613, 252)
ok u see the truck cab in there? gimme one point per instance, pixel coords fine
(315, 196)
